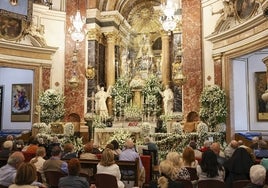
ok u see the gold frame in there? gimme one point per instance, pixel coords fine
(21, 111)
(244, 9)
(261, 109)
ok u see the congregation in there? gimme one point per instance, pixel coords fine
(210, 162)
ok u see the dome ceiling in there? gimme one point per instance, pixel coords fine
(140, 14)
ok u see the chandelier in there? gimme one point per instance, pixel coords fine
(171, 14)
(77, 29)
(77, 35)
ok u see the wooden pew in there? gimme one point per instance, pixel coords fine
(123, 165)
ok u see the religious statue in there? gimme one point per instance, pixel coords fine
(100, 102)
(168, 99)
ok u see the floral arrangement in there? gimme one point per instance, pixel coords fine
(137, 82)
(152, 96)
(133, 112)
(76, 141)
(98, 122)
(121, 93)
(52, 106)
(213, 107)
(120, 135)
(145, 129)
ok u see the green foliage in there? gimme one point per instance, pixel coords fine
(213, 107)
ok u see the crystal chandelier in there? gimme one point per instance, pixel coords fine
(78, 22)
(171, 14)
(77, 35)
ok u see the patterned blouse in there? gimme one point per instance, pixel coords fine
(181, 174)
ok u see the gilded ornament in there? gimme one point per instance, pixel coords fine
(90, 72)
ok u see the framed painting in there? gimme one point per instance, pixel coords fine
(262, 106)
(21, 96)
(15, 17)
(245, 8)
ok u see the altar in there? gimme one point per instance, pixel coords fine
(103, 135)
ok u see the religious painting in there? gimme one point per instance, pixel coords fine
(15, 17)
(262, 106)
(21, 96)
(245, 8)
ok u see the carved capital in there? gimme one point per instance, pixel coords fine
(217, 58)
(111, 37)
(94, 34)
(265, 61)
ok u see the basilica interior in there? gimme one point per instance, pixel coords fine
(212, 43)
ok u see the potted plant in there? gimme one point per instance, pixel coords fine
(213, 107)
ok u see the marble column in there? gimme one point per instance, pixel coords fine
(165, 59)
(110, 66)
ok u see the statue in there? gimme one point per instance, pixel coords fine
(100, 102)
(168, 99)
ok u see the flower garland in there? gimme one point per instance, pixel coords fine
(52, 106)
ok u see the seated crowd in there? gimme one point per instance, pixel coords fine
(209, 162)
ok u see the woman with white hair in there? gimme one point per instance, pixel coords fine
(257, 175)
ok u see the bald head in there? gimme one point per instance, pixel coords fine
(216, 148)
(234, 144)
(129, 143)
(15, 159)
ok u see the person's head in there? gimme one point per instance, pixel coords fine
(110, 146)
(68, 147)
(88, 147)
(41, 151)
(193, 144)
(56, 151)
(15, 159)
(207, 143)
(74, 167)
(263, 144)
(240, 143)
(188, 155)
(192, 116)
(255, 139)
(129, 144)
(165, 170)
(215, 147)
(115, 144)
(257, 174)
(147, 140)
(107, 157)
(174, 157)
(26, 174)
(209, 163)
(234, 144)
(8, 145)
(10, 137)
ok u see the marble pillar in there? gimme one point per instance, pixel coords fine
(110, 66)
(165, 59)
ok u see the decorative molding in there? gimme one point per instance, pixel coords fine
(22, 50)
